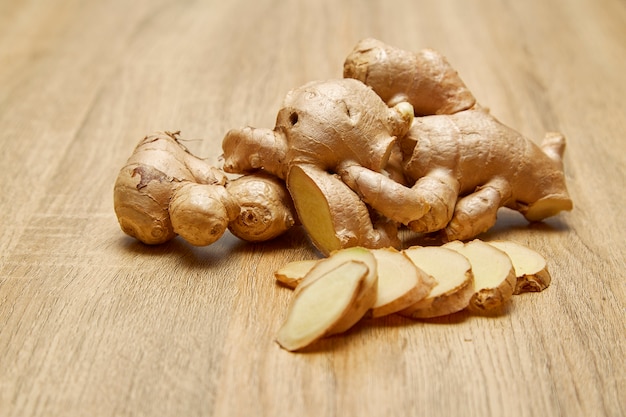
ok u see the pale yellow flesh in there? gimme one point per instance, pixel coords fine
(530, 267)
(320, 305)
(525, 260)
(310, 199)
(323, 266)
(454, 281)
(294, 272)
(446, 266)
(491, 266)
(494, 276)
(400, 282)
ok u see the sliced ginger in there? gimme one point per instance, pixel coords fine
(494, 276)
(291, 274)
(530, 267)
(319, 306)
(323, 307)
(453, 274)
(334, 293)
(400, 283)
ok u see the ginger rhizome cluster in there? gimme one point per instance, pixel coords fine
(399, 142)
(164, 191)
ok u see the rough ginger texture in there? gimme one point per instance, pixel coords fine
(164, 191)
(322, 127)
(460, 163)
(356, 168)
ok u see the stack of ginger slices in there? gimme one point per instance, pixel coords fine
(334, 293)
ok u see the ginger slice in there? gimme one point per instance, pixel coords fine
(366, 296)
(455, 281)
(530, 267)
(400, 283)
(320, 305)
(494, 276)
(291, 274)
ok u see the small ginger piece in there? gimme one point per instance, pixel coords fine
(291, 274)
(530, 267)
(265, 207)
(159, 166)
(400, 282)
(333, 296)
(425, 79)
(164, 191)
(494, 276)
(200, 213)
(455, 281)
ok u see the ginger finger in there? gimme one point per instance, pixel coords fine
(265, 207)
(425, 79)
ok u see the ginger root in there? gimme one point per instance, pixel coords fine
(424, 79)
(164, 191)
(399, 142)
(322, 127)
(460, 164)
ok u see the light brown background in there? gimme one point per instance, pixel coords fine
(93, 323)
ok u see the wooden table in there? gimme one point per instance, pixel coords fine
(95, 323)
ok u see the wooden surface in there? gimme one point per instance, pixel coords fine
(94, 323)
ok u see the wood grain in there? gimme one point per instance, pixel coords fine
(94, 323)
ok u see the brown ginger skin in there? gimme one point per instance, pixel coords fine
(158, 169)
(425, 78)
(461, 169)
(321, 127)
(459, 164)
(265, 207)
(164, 191)
(449, 169)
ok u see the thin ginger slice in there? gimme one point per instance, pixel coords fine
(530, 267)
(453, 274)
(294, 272)
(319, 306)
(494, 276)
(367, 291)
(400, 283)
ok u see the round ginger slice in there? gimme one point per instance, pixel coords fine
(455, 282)
(319, 306)
(530, 267)
(494, 276)
(367, 293)
(400, 283)
(291, 274)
